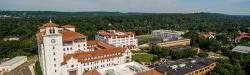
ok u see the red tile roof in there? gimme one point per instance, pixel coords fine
(70, 35)
(92, 72)
(150, 72)
(93, 55)
(114, 33)
(50, 24)
(66, 36)
(99, 44)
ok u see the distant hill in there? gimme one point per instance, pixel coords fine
(58, 14)
(99, 13)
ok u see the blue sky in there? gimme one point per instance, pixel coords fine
(235, 7)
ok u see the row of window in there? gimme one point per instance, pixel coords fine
(79, 41)
(199, 71)
(90, 68)
(90, 58)
(120, 37)
(96, 62)
(64, 49)
(131, 41)
(54, 53)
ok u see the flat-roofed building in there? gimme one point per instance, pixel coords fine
(187, 66)
(132, 68)
(12, 64)
(180, 42)
(241, 49)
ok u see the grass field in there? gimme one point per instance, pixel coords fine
(142, 57)
(143, 39)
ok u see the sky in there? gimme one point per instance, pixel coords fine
(233, 7)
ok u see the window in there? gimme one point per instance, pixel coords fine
(54, 53)
(53, 47)
(63, 49)
(54, 59)
(196, 72)
(50, 31)
(78, 45)
(71, 48)
(55, 70)
(55, 65)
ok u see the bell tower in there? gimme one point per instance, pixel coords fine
(51, 49)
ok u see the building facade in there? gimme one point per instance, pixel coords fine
(180, 42)
(167, 35)
(118, 38)
(62, 51)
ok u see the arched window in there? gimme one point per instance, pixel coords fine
(50, 31)
(53, 30)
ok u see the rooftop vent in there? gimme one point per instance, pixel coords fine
(174, 66)
(193, 61)
(182, 65)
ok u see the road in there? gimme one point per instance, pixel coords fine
(26, 71)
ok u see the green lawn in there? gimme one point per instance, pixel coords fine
(143, 39)
(142, 57)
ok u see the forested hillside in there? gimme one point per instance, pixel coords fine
(26, 25)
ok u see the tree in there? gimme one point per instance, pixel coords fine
(224, 67)
(38, 70)
(203, 54)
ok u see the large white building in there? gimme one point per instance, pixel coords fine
(62, 51)
(167, 35)
(118, 38)
(11, 64)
